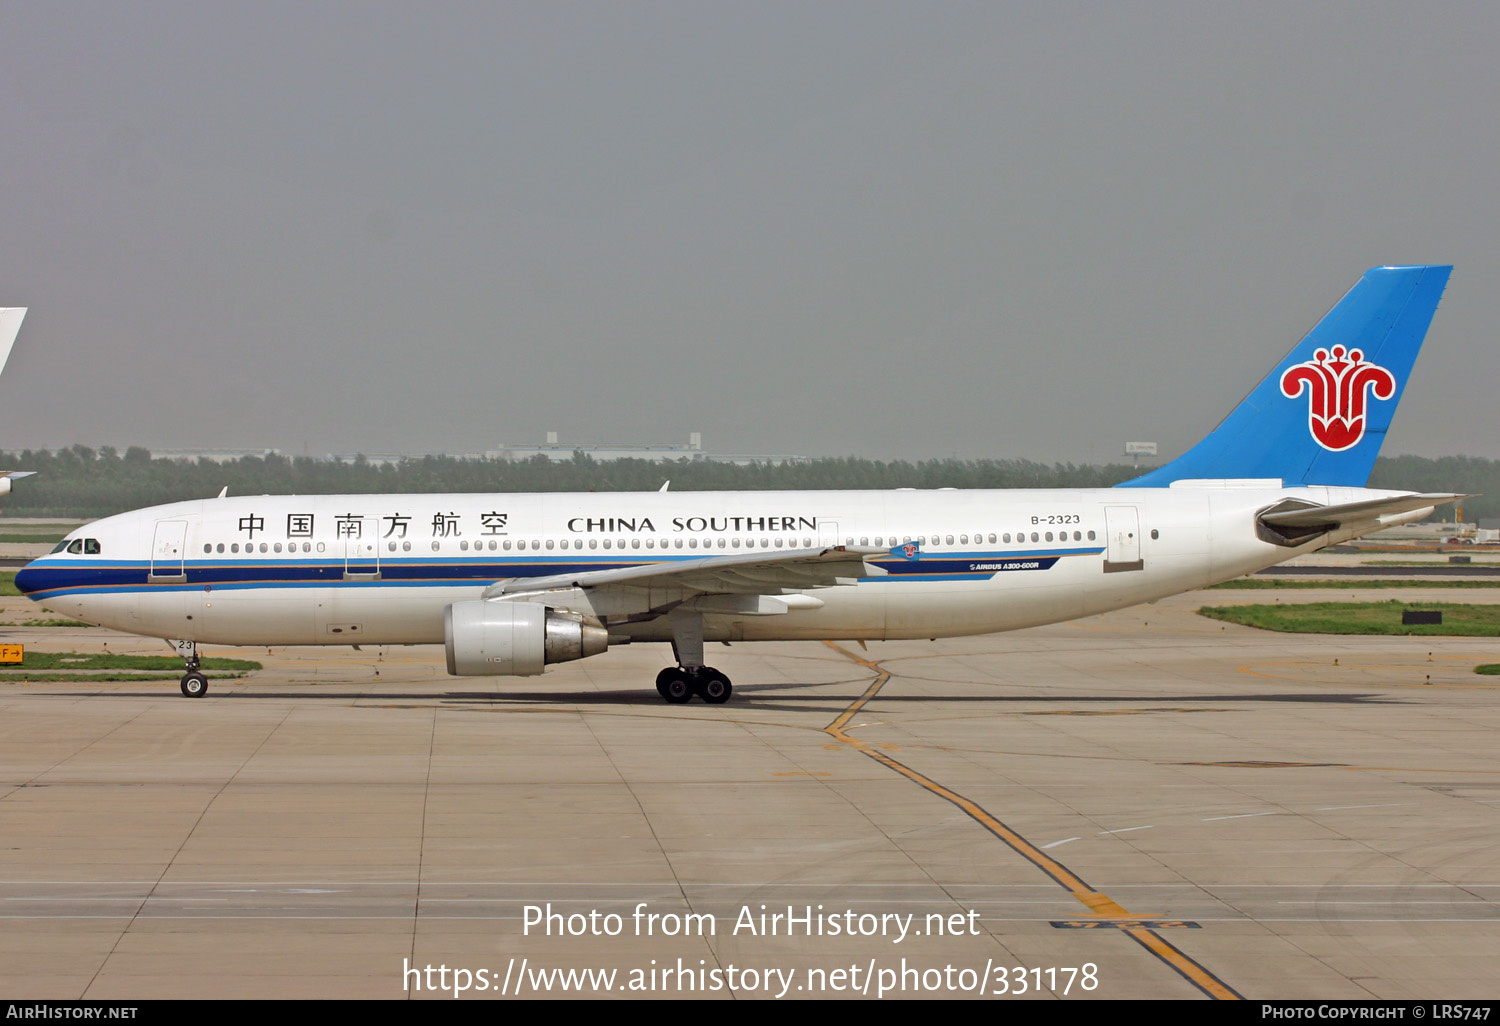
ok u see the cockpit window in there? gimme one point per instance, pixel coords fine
(91, 546)
(60, 546)
(76, 546)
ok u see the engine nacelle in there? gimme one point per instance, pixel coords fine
(515, 639)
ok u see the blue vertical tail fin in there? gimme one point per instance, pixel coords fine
(1320, 417)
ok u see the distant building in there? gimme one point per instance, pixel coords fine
(380, 459)
(552, 449)
(692, 449)
(216, 455)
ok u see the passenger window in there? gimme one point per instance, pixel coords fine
(549, 543)
(1049, 535)
(607, 543)
(1034, 537)
(963, 539)
(321, 546)
(950, 539)
(206, 548)
(277, 546)
(264, 547)
(391, 546)
(463, 546)
(434, 546)
(406, 546)
(1006, 537)
(1091, 536)
(722, 543)
(235, 547)
(650, 543)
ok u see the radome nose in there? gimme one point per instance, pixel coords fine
(28, 579)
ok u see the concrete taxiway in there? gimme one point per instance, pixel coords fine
(1192, 809)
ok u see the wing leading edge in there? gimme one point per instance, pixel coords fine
(741, 574)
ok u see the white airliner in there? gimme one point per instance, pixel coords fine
(511, 583)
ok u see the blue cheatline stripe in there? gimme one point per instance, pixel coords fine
(97, 577)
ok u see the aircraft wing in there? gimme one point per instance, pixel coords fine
(1330, 518)
(751, 573)
(13, 475)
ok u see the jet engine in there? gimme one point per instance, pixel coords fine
(516, 639)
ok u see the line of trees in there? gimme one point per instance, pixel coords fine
(84, 482)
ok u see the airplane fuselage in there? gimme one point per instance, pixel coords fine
(382, 569)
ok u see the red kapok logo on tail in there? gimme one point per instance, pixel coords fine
(1337, 386)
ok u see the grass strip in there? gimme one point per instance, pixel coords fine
(1459, 619)
(1425, 562)
(1348, 583)
(107, 661)
(44, 623)
(89, 678)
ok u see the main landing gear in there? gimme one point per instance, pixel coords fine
(194, 681)
(678, 684)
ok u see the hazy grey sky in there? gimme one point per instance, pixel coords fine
(885, 229)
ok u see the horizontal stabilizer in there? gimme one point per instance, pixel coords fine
(1332, 517)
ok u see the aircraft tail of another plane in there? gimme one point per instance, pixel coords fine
(1320, 417)
(10, 325)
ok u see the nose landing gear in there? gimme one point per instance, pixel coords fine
(194, 681)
